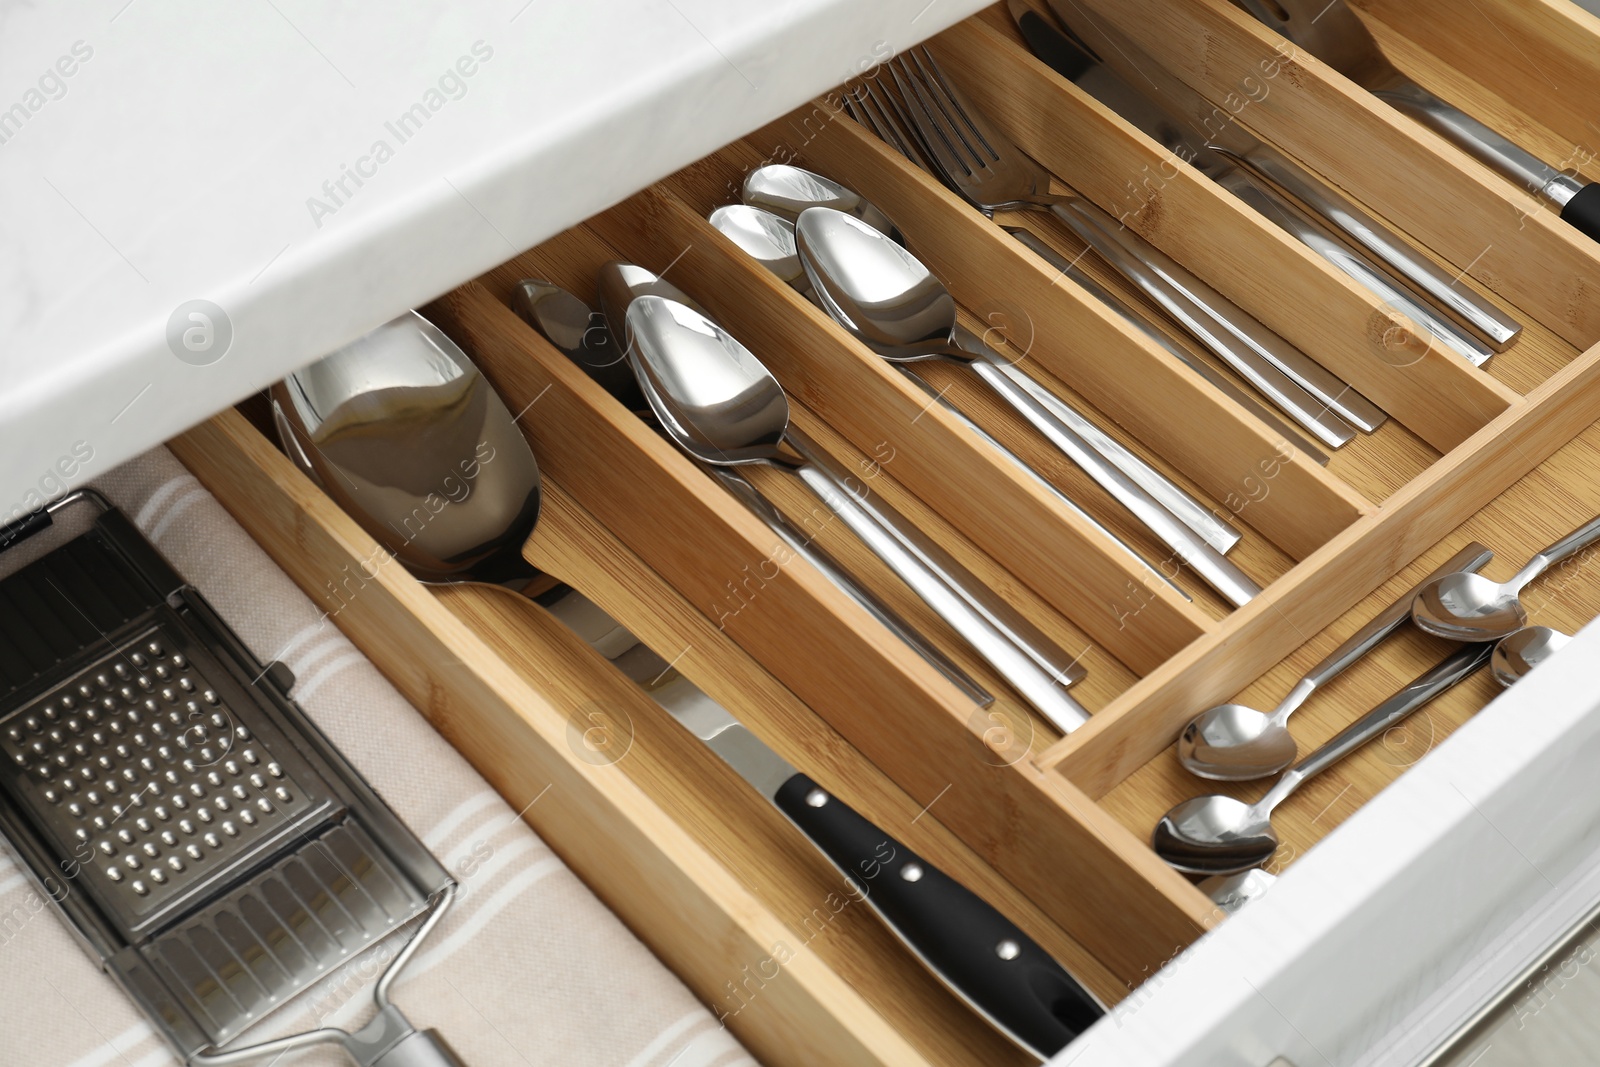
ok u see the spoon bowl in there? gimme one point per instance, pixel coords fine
(1232, 742)
(1469, 607)
(407, 436)
(766, 238)
(1521, 652)
(787, 191)
(1214, 835)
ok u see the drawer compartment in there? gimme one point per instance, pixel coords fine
(1052, 829)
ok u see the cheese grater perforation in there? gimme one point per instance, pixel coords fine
(210, 847)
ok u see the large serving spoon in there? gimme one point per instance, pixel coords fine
(1235, 743)
(767, 241)
(1221, 835)
(406, 435)
(1517, 654)
(723, 407)
(891, 302)
(1470, 607)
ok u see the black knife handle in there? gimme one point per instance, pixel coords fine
(1583, 211)
(980, 954)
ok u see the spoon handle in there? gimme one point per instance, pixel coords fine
(1570, 545)
(1005, 618)
(1427, 685)
(802, 546)
(1037, 686)
(1208, 563)
(1382, 625)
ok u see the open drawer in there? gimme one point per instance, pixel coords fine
(1051, 829)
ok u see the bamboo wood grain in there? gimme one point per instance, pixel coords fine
(1547, 503)
(1088, 874)
(1453, 204)
(1143, 721)
(666, 887)
(1142, 388)
(1001, 509)
(1269, 274)
(571, 543)
(1538, 55)
(743, 833)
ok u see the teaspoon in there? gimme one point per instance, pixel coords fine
(892, 303)
(722, 406)
(1235, 743)
(1517, 654)
(1220, 835)
(1470, 607)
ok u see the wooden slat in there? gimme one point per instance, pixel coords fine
(571, 543)
(1145, 719)
(1275, 278)
(1541, 56)
(671, 892)
(1434, 191)
(1141, 387)
(1089, 875)
(1002, 510)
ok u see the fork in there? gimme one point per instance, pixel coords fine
(993, 174)
(881, 114)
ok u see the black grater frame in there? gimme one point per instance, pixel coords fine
(161, 593)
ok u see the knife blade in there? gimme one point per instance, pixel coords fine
(1114, 70)
(976, 952)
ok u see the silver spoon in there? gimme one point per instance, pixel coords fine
(1235, 743)
(786, 191)
(1220, 835)
(722, 406)
(406, 435)
(779, 258)
(1517, 654)
(1470, 607)
(1230, 892)
(580, 334)
(892, 303)
(557, 319)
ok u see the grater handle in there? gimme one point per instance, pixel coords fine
(424, 1048)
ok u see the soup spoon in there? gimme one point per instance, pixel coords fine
(786, 191)
(892, 303)
(1221, 835)
(775, 248)
(1470, 607)
(769, 241)
(1235, 743)
(1517, 654)
(723, 407)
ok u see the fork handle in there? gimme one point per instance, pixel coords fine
(1275, 385)
(1494, 325)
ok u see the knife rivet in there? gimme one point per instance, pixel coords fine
(911, 872)
(1008, 949)
(816, 798)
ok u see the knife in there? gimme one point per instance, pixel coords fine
(1110, 67)
(977, 953)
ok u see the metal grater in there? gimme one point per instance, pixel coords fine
(212, 849)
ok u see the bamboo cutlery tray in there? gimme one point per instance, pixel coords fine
(1051, 830)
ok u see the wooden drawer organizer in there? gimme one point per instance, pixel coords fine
(1052, 830)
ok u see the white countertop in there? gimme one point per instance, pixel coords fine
(156, 154)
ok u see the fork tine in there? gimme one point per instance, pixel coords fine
(905, 135)
(866, 112)
(956, 105)
(944, 144)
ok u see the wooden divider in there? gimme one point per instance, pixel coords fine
(1430, 188)
(1143, 721)
(637, 857)
(1539, 55)
(1161, 402)
(1435, 393)
(1087, 873)
(1003, 511)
